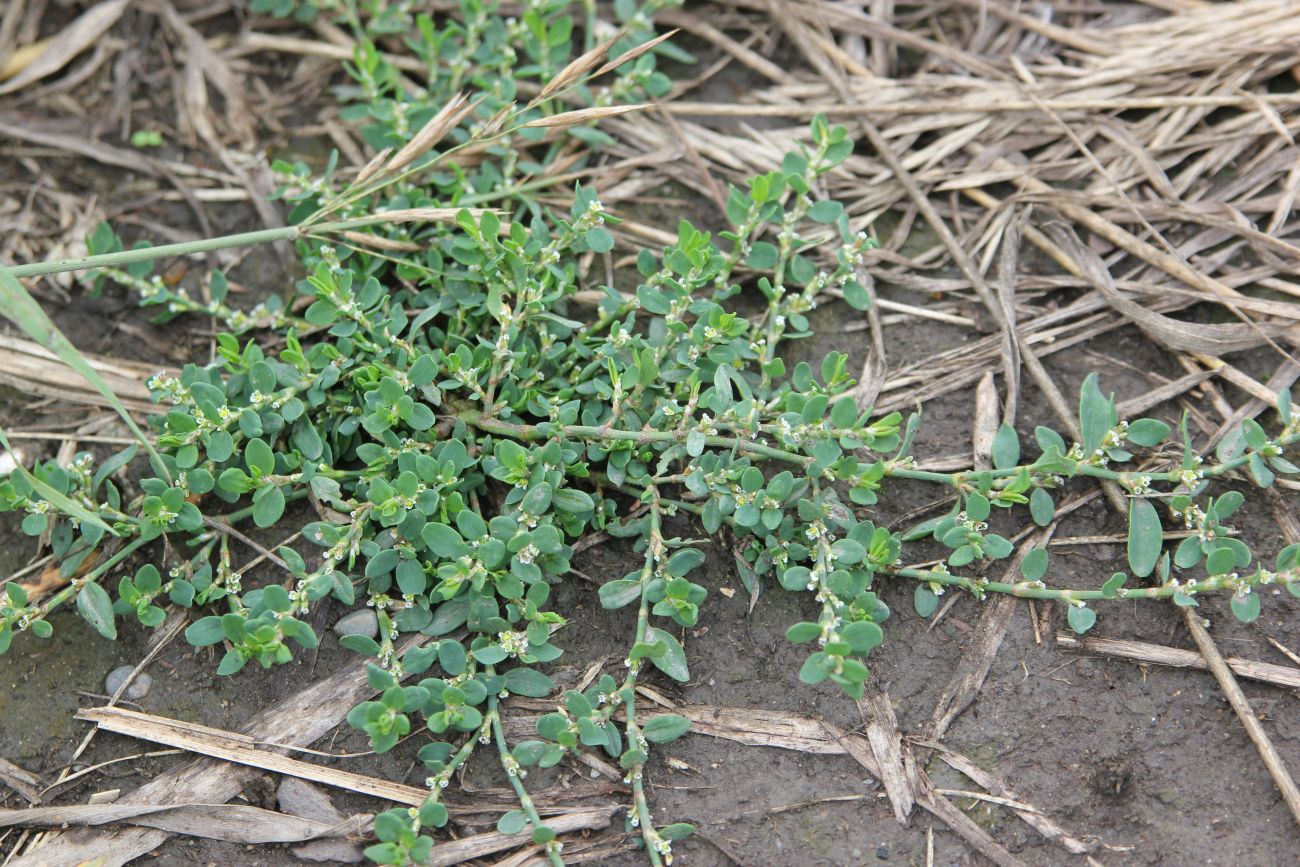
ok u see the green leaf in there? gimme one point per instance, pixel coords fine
(1006, 447)
(599, 240)
(684, 561)
(801, 632)
(442, 540)
(763, 256)
(570, 500)
(1227, 504)
(205, 631)
(1041, 507)
(1245, 606)
(432, 813)
(1147, 432)
(528, 682)
(844, 414)
(1081, 618)
(652, 300)
(825, 211)
(268, 505)
(925, 601)
(1188, 553)
(620, 592)
(857, 295)
(1049, 439)
(452, 657)
(863, 636)
(997, 547)
(17, 305)
(1220, 562)
(362, 644)
(1260, 474)
(512, 822)
(232, 662)
(491, 654)
(848, 552)
(537, 500)
(673, 661)
(260, 458)
(665, 728)
(1034, 566)
(1145, 537)
(113, 464)
(51, 496)
(677, 831)
(1096, 414)
(815, 669)
(1111, 588)
(94, 605)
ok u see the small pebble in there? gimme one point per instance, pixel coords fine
(361, 622)
(139, 687)
(882, 852)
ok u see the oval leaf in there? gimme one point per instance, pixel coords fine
(1145, 537)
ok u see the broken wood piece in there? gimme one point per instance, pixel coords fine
(33, 369)
(787, 731)
(991, 783)
(948, 813)
(1241, 705)
(480, 845)
(975, 663)
(1157, 654)
(888, 748)
(22, 781)
(239, 748)
(301, 719)
(229, 822)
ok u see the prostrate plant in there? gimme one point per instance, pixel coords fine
(457, 421)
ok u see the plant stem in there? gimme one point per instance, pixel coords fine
(954, 480)
(639, 437)
(507, 760)
(1036, 589)
(654, 553)
(648, 833)
(148, 254)
(71, 590)
(510, 191)
(459, 758)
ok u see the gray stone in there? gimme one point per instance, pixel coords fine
(139, 687)
(360, 622)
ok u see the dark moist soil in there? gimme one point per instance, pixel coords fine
(1150, 761)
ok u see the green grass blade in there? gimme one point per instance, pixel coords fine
(17, 304)
(53, 497)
